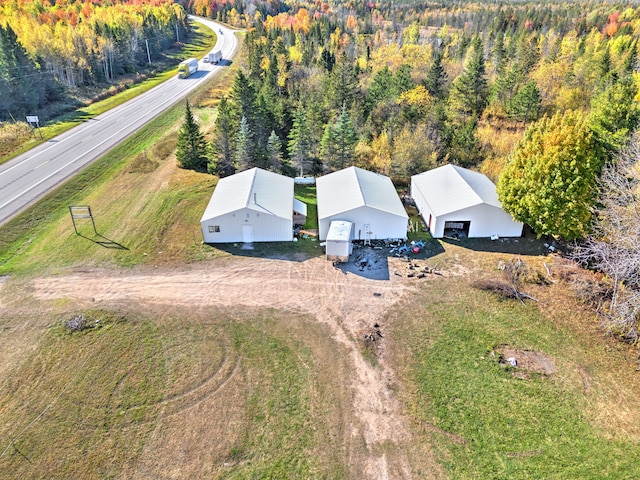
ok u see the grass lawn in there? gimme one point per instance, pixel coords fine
(490, 420)
(246, 386)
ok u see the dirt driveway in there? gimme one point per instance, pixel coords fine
(350, 301)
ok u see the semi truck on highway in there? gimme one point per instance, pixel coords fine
(188, 67)
(214, 56)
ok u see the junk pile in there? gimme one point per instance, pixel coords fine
(372, 337)
(416, 270)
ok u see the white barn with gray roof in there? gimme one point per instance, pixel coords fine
(366, 199)
(462, 201)
(251, 206)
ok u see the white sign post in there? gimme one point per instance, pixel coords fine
(34, 122)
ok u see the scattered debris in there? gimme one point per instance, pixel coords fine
(80, 323)
(524, 361)
(373, 335)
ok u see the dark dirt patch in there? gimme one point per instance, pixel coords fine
(525, 360)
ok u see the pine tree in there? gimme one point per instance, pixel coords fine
(615, 114)
(300, 143)
(436, 77)
(402, 80)
(526, 103)
(243, 156)
(191, 150)
(469, 93)
(328, 147)
(342, 84)
(274, 153)
(223, 144)
(345, 139)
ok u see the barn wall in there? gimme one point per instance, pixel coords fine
(423, 208)
(486, 220)
(383, 225)
(266, 227)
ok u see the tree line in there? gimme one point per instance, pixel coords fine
(401, 96)
(46, 47)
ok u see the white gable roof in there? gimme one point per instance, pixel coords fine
(354, 187)
(255, 189)
(299, 206)
(451, 188)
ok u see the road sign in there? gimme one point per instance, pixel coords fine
(32, 119)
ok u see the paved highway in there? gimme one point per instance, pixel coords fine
(30, 176)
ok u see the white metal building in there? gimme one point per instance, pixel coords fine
(251, 206)
(462, 201)
(366, 199)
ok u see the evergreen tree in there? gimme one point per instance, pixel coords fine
(436, 77)
(243, 156)
(550, 180)
(402, 80)
(191, 150)
(345, 139)
(499, 54)
(300, 143)
(464, 149)
(327, 59)
(381, 88)
(223, 144)
(526, 103)
(505, 88)
(469, 92)
(23, 87)
(328, 147)
(342, 84)
(274, 153)
(337, 148)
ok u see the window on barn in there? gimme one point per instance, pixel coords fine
(214, 228)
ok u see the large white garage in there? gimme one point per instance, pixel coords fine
(455, 201)
(251, 206)
(366, 199)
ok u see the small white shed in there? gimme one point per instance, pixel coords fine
(366, 199)
(456, 201)
(339, 241)
(251, 206)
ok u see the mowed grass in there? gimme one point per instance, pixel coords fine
(487, 420)
(242, 392)
(146, 209)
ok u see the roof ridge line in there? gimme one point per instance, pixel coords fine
(253, 182)
(479, 199)
(359, 185)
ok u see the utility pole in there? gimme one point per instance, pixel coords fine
(148, 54)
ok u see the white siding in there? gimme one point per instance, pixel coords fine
(362, 198)
(266, 228)
(482, 211)
(382, 225)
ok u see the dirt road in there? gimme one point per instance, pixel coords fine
(348, 303)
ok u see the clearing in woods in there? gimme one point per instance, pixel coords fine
(346, 305)
(242, 367)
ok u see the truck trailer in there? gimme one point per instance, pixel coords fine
(188, 67)
(214, 56)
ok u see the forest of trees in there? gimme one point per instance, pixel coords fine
(542, 97)
(48, 46)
